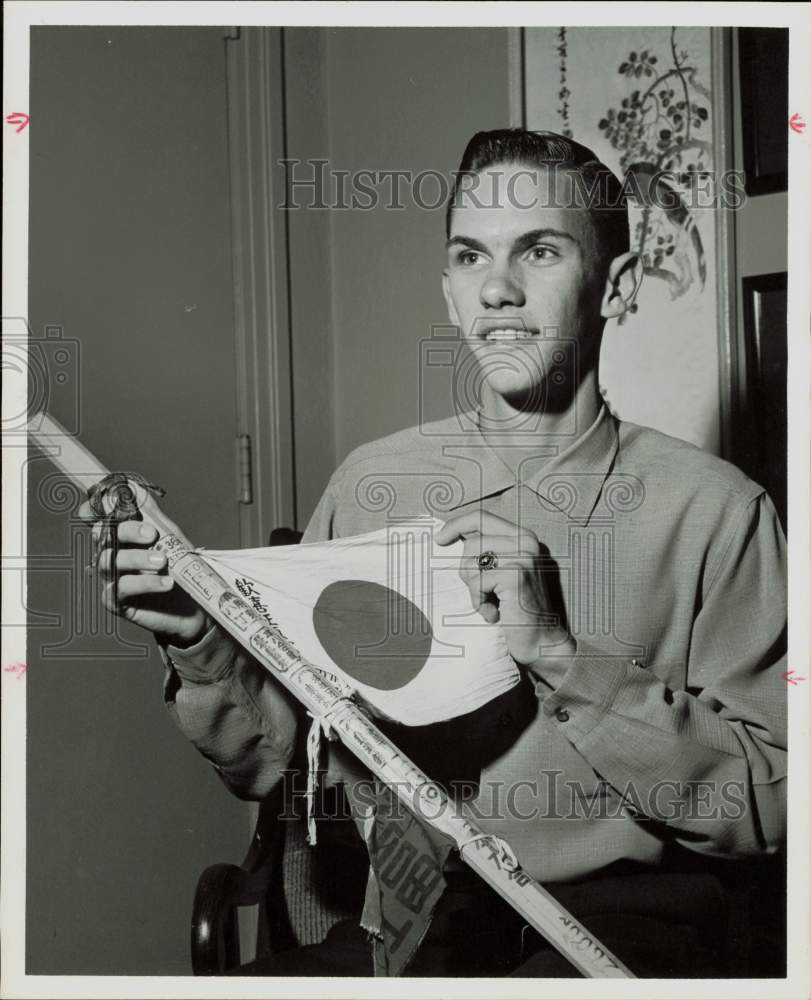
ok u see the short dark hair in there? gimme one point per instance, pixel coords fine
(606, 202)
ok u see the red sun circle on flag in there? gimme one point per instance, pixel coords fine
(376, 635)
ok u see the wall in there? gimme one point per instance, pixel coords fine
(395, 100)
(310, 272)
(130, 255)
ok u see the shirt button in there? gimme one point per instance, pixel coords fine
(561, 715)
(505, 719)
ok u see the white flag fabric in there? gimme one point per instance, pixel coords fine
(385, 612)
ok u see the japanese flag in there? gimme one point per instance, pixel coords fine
(385, 612)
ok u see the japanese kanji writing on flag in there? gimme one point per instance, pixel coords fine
(389, 614)
(385, 612)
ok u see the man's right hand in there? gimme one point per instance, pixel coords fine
(140, 589)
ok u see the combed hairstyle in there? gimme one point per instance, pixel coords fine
(599, 191)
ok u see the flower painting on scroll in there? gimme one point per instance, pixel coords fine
(661, 131)
(651, 102)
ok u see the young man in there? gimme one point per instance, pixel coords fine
(640, 584)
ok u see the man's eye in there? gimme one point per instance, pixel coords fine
(469, 257)
(542, 253)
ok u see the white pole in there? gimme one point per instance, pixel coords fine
(326, 701)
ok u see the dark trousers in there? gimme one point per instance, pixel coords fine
(659, 925)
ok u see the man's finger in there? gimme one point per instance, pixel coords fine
(129, 532)
(138, 584)
(507, 548)
(481, 522)
(511, 572)
(136, 533)
(504, 548)
(132, 561)
(482, 599)
(489, 612)
(86, 512)
(488, 589)
(109, 599)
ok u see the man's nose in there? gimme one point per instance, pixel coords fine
(501, 289)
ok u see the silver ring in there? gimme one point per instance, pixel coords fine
(487, 560)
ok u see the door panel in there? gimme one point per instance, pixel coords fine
(130, 272)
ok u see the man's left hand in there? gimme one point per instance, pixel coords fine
(515, 592)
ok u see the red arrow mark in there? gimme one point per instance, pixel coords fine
(796, 124)
(18, 118)
(792, 680)
(19, 669)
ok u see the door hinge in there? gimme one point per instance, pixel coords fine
(244, 469)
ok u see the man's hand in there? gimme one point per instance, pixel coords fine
(139, 588)
(515, 593)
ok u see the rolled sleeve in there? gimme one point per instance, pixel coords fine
(206, 661)
(233, 711)
(236, 714)
(725, 735)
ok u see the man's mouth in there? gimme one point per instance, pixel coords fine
(505, 330)
(510, 333)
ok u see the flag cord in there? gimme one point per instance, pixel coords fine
(349, 723)
(319, 728)
(506, 855)
(313, 760)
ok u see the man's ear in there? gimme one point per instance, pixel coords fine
(453, 316)
(621, 285)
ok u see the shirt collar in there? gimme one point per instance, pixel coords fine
(569, 481)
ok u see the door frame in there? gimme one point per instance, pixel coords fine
(729, 385)
(256, 144)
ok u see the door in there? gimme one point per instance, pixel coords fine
(131, 302)
(761, 241)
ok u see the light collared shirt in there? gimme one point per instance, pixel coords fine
(668, 722)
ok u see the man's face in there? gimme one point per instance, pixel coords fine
(524, 284)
